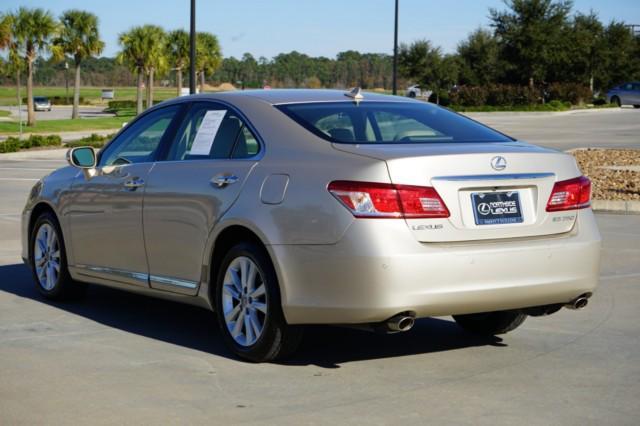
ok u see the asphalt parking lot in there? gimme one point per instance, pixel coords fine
(121, 358)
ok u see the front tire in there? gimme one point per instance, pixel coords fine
(491, 323)
(248, 306)
(48, 261)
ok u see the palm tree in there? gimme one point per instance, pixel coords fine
(156, 56)
(178, 53)
(8, 42)
(79, 37)
(143, 51)
(209, 56)
(33, 29)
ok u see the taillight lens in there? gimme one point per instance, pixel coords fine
(385, 200)
(570, 194)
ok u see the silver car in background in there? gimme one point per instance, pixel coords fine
(625, 94)
(41, 103)
(280, 208)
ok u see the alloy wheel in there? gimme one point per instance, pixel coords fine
(244, 301)
(46, 257)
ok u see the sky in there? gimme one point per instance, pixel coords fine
(317, 28)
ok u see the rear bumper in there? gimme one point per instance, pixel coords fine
(378, 269)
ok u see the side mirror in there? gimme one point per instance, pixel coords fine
(83, 157)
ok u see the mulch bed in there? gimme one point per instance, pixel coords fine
(607, 184)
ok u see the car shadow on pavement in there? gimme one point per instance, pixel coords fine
(196, 328)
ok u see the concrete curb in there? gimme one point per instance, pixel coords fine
(628, 207)
(40, 154)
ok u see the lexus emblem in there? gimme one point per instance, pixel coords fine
(498, 163)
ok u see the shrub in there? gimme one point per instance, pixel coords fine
(94, 140)
(575, 93)
(469, 96)
(123, 104)
(11, 144)
(53, 140)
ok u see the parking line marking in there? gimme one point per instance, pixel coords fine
(27, 179)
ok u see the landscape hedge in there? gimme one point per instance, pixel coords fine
(13, 144)
(511, 95)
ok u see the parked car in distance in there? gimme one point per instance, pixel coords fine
(281, 208)
(625, 94)
(41, 103)
(416, 91)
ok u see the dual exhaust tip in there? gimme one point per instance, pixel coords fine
(404, 321)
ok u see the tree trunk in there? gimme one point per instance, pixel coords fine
(75, 113)
(31, 114)
(201, 81)
(179, 80)
(150, 89)
(19, 96)
(591, 83)
(18, 88)
(139, 92)
(531, 82)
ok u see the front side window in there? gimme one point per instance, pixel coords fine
(388, 122)
(212, 131)
(139, 142)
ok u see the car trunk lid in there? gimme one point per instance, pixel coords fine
(479, 197)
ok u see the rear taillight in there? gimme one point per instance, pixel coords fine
(570, 195)
(385, 200)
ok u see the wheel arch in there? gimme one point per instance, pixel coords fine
(222, 241)
(37, 210)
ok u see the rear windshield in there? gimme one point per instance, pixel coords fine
(388, 122)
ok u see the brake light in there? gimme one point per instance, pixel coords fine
(385, 200)
(570, 194)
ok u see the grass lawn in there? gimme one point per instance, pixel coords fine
(90, 94)
(67, 125)
(4, 113)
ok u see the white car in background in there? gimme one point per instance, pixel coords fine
(417, 91)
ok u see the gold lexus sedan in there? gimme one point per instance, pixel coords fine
(280, 208)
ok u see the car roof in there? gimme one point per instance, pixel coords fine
(287, 96)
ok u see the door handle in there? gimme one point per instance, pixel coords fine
(132, 184)
(223, 180)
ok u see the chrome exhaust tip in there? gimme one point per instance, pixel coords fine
(400, 322)
(579, 302)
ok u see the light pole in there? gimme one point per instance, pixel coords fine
(192, 50)
(395, 53)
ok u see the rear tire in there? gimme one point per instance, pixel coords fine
(616, 100)
(48, 261)
(636, 106)
(248, 306)
(491, 323)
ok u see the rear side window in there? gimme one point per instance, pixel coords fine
(388, 123)
(212, 131)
